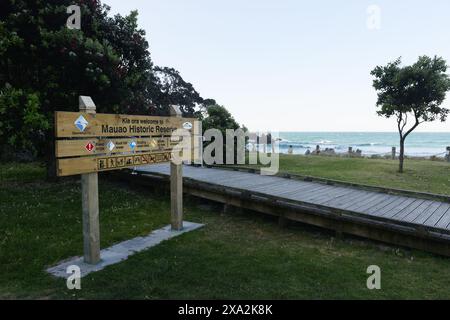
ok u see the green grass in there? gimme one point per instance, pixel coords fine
(240, 255)
(419, 175)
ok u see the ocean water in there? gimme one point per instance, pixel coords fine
(418, 144)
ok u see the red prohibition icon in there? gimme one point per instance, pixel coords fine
(89, 147)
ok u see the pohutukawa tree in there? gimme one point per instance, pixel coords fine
(45, 66)
(412, 94)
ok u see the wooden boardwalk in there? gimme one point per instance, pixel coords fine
(410, 220)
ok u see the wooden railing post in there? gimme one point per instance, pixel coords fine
(176, 186)
(393, 153)
(89, 197)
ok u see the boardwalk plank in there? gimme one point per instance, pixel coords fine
(445, 220)
(400, 207)
(427, 213)
(408, 209)
(311, 188)
(437, 215)
(387, 209)
(326, 191)
(379, 198)
(377, 209)
(304, 194)
(292, 188)
(356, 201)
(300, 188)
(273, 188)
(338, 192)
(418, 211)
(249, 183)
(346, 199)
(373, 197)
(273, 185)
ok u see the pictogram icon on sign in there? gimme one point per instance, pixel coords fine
(89, 147)
(81, 123)
(111, 145)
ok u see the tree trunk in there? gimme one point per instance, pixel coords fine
(50, 158)
(401, 156)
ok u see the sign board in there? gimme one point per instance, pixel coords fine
(79, 125)
(93, 146)
(93, 142)
(71, 166)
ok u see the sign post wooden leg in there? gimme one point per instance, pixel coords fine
(89, 197)
(176, 186)
(176, 196)
(91, 228)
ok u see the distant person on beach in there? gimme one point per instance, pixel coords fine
(290, 150)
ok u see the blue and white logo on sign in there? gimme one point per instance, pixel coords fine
(132, 144)
(111, 145)
(81, 123)
(187, 125)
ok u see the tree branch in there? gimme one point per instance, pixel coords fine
(405, 121)
(414, 126)
(399, 120)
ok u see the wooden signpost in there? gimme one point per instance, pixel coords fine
(87, 143)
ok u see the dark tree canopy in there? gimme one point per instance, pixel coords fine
(45, 66)
(174, 90)
(218, 117)
(413, 94)
(419, 89)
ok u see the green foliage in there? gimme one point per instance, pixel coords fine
(415, 92)
(21, 120)
(45, 66)
(418, 89)
(174, 90)
(218, 117)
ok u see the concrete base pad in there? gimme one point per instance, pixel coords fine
(121, 251)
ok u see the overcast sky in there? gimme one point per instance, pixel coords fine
(292, 65)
